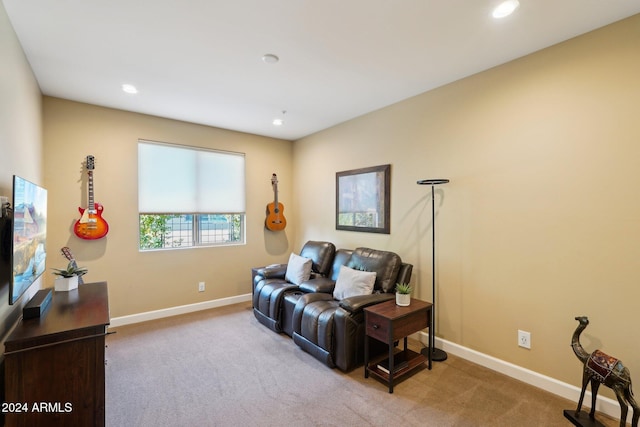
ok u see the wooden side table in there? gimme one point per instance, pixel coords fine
(388, 322)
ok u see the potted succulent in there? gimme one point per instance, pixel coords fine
(68, 278)
(403, 294)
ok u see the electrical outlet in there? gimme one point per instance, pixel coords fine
(524, 339)
(201, 287)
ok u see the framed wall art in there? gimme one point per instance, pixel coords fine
(363, 198)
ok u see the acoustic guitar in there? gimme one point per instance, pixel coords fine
(275, 217)
(91, 225)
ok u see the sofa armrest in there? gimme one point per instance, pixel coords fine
(318, 285)
(355, 304)
(273, 271)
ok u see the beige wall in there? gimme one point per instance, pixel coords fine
(20, 113)
(147, 281)
(541, 220)
(20, 136)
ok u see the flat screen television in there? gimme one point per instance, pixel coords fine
(28, 255)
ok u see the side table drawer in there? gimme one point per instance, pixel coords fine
(409, 324)
(377, 326)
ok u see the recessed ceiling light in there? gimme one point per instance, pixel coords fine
(279, 121)
(505, 8)
(129, 88)
(270, 58)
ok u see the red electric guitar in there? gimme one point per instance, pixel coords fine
(275, 217)
(91, 225)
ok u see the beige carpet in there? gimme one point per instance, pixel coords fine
(221, 367)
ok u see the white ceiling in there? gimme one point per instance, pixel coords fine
(200, 60)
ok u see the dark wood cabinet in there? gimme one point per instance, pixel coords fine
(55, 364)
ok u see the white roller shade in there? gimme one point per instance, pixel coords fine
(176, 179)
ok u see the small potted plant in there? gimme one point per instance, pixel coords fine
(68, 278)
(403, 294)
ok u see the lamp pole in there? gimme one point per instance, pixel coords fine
(437, 355)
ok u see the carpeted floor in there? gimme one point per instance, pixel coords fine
(220, 367)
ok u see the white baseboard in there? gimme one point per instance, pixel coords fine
(559, 388)
(174, 311)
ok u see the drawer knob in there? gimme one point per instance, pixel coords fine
(375, 326)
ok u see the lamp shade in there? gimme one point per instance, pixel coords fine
(432, 181)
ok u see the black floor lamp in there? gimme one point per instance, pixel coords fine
(436, 354)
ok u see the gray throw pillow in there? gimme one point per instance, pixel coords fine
(353, 282)
(298, 269)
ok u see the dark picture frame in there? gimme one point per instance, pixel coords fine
(363, 199)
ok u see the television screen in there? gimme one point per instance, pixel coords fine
(29, 235)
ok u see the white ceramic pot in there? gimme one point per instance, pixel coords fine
(403, 299)
(65, 284)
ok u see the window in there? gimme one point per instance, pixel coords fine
(189, 196)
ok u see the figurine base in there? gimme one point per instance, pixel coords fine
(582, 420)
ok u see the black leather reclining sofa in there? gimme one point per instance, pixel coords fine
(331, 330)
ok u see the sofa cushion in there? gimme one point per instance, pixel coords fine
(353, 282)
(298, 269)
(385, 264)
(321, 255)
(341, 258)
(318, 284)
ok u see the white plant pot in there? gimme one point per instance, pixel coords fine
(403, 299)
(65, 284)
